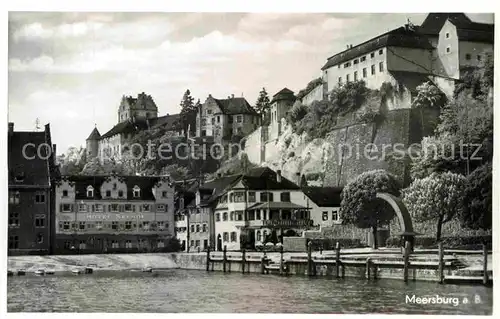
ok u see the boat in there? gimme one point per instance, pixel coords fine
(50, 272)
(10, 273)
(89, 270)
(77, 271)
(21, 272)
(40, 272)
(147, 269)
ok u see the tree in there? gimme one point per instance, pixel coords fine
(437, 197)
(359, 205)
(428, 96)
(188, 111)
(477, 208)
(263, 103)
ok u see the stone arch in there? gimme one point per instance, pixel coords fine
(401, 211)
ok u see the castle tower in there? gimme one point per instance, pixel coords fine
(142, 107)
(93, 143)
(281, 103)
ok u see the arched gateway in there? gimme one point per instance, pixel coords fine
(407, 233)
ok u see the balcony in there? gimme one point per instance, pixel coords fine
(295, 223)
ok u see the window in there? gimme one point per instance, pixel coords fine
(224, 216)
(128, 244)
(264, 234)
(82, 207)
(67, 244)
(468, 56)
(90, 191)
(198, 228)
(20, 177)
(364, 72)
(160, 208)
(251, 197)
(128, 225)
(65, 225)
(233, 236)
(108, 193)
(239, 197)
(257, 215)
(64, 193)
(478, 57)
(285, 197)
(98, 208)
(238, 215)
(192, 243)
(13, 242)
(225, 236)
(346, 65)
(340, 80)
(115, 244)
(203, 133)
(381, 51)
(231, 216)
(81, 225)
(363, 58)
(39, 198)
(209, 111)
(355, 75)
(120, 193)
(217, 217)
(373, 69)
(113, 208)
(355, 61)
(218, 118)
(13, 219)
(98, 225)
(372, 55)
(146, 207)
(258, 236)
(14, 197)
(192, 228)
(203, 121)
(381, 67)
(128, 207)
(448, 49)
(347, 78)
(40, 220)
(266, 196)
(205, 228)
(230, 119)
(447, 35)
(335, 215)
(145, 225)
(213, 120)
(197, 243)
(137, 191)
(114, 225)
(239, 118)
(164, 194)
(325, 216)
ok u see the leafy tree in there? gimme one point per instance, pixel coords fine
(263, 102)
(188, 111)
(477, 212)
(349, 97)
(73, 162)
(359, 205)
(437, 197)
(297, 113)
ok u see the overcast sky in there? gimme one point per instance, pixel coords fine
(71, 69)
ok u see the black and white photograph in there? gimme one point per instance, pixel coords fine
(249, 162)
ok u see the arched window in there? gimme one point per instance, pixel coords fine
(137, 191)
(259, 236)
(90, 191)
(264, 235)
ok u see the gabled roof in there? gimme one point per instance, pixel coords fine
(284, 94)
(127, 127)
(145, 183)
(95, 135)
(467, 29)
(27, 169)
(143, 101)
(324, 196)
(264, 178)
(400, 37)
(235, 105)
(435, 21)
(168, 122)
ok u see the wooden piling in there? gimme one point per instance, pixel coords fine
(224, 258)
(368, 266)
(406, 261)
(263, 264)
(485, 264)
(281, 261)
(309, 259)
(441, 263)
(208, 258)
(337, 260)
(243, 260)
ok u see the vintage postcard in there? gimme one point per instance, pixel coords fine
(251, 162)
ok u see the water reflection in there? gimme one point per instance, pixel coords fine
(198, 291)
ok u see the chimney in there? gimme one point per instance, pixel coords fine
(297, 178)
(11, 128)
(278, 176)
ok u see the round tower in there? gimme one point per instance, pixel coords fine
(93, 144)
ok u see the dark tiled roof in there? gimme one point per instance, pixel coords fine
(143, 101)
(435, 21)
(264, 178)
(324, 196)
(30, 172)
(167, 122)
(235, 105)
(467, 29)
(145, 183)
(410, 80)
(216, 187)
(95, 135)
(400, 37)
(127, 127)
(284, 94)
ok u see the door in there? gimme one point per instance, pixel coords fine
(219, 243)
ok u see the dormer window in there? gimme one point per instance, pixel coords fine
(137, 191)
(114, 186)
(19, 177)
(120, 193)
(65, 193)
(90, 191)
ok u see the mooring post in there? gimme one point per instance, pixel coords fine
(243, 260)
(309, 259)
(406, 259)
(441, 262)
(281, 260)
(263, 264)
(224, 256)
(485, 264)
(337, 260)
(368, 264)
(208, 258)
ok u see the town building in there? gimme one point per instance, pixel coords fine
(225, 118)
(438, 51)
(134, 116)
(113, 213)
(324, 204)
(31, 168)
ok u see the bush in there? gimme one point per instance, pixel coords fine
(297, 112)
(466, 242)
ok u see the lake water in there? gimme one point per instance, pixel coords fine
(198, 291)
